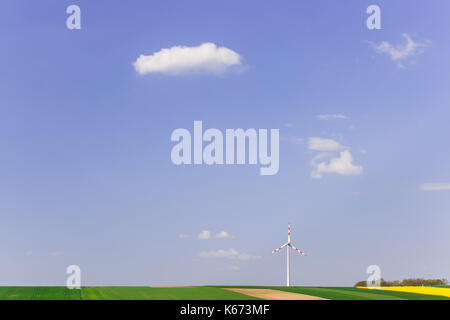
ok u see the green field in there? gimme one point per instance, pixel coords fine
(196, 293)
(351, 293)
(119, 293)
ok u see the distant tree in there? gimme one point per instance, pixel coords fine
(407, 282)
(361, 284)
(394, 283)
(424, 282)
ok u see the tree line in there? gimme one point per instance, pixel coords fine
(407, 282)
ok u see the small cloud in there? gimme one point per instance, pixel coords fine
(205, 58)
(299, 140)
(235, 268)
(229, 254)
(221, 253)
(289, 125)
(184, 236)
(363, 151)
(56, 253)
(434, 186)
(223, 235)
(400, 52)
(331, 117)
(321, 155)
(205, 234)
(342, 165)
(319, 144)
(29, 253)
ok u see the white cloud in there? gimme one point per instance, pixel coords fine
(319, 144)
(330, 116)
(221, 253)
(184, 236)
(205, 234)
(434, 186)
(342, 165)
(205, 58)
(29, 253)
(400, 52)
(229, 254)
(235, 268)
(222, 235)
(321, 155)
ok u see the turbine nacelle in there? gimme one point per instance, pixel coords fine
(289, 245)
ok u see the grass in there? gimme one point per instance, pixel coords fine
(119, 293)
(198, 293)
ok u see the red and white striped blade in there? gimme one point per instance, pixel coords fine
(289, 232)
(284, 245)
(299, 251)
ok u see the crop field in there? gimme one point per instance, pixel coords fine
(351, 293)
(436, 291)
(119, 293)
(212, 293)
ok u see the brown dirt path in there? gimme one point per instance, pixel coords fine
(270, 294)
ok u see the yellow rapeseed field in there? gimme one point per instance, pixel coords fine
(436, 291)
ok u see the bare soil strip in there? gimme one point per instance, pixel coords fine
(270, 294)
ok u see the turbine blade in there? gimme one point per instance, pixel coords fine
(299, 251)
(289, 232)
(284, 245)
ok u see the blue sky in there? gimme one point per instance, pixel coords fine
(85, 171)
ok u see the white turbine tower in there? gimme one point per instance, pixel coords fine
(288, 245)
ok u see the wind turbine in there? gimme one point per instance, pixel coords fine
(288, 245)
